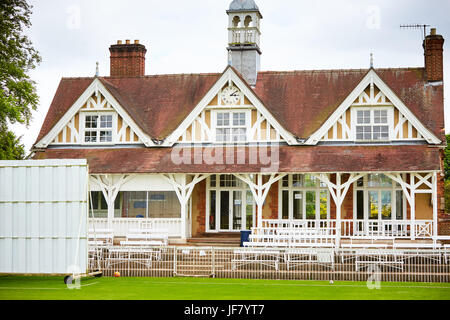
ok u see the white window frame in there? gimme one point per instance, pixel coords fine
(318, 189)
(365, 188)
(214, 127)
(83, 128)
(390, 122)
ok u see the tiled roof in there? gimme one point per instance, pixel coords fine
(300, 100)
(231, 160)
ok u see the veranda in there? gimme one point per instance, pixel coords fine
(369, 205)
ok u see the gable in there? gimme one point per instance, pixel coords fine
(372, 105)
(204, 127)
(94, 106)
(201, 124)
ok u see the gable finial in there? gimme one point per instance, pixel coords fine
(96, 69)
(371, 61)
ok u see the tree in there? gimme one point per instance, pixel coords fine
(18, 96)
(447, 159)
(10, 146)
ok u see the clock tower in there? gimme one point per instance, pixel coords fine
(244, 38)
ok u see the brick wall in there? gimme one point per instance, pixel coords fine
(270, 208)
(199, 209)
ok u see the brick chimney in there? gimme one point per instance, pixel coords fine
(434, 62)
(127, 60)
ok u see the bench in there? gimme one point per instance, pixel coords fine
(391, 258)
(425, 250)
(129, 254)
(147, 237)
(417, 245)
(326, 241)
(266, 257)
(109, 231)
(320, 256)
(150, 231)
(259, 240)
(142, 243)
(104, 235)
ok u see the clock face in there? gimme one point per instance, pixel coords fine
(231, 95)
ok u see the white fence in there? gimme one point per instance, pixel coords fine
(121, 226)
(43, 216)
(412, 265)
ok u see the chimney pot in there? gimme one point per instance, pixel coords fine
(119, 41)
(127, 41)
(136, 41)
(434, 59)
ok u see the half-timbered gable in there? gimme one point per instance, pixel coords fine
(375, 115)
(230, 113)
(95, 119)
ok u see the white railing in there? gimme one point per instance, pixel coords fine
(244, 36)
(121, 226)
(387, 228)
(325, 226)
(360, 228)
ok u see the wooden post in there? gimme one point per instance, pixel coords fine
(110, 191)
(338, 208)
(435, 205)
(183, 191)
(259, 190)
(413, 207)
(260, 201)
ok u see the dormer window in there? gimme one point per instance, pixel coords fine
(372, 124)
(98, 128)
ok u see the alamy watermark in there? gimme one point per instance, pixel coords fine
(374, 280)
(373, 21)
(73, 21)
(264, 156)
(73, 282)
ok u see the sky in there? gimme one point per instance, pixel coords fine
(184, 36)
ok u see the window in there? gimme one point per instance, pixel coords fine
(303, 197)
(372, 125)
(147, 204)
(98, 128)
(227, 180)
(98, 207)
(378, 198)
(231, 127)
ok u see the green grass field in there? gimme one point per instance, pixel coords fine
(53, 288)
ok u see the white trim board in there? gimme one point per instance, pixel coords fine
(372, 78)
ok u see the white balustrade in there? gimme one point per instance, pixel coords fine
(360, 228)
(121, 226)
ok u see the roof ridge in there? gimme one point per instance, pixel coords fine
(337, 70)
(165, 75)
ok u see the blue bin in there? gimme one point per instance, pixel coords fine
(245, 236)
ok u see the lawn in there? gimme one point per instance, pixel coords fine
(53, 288)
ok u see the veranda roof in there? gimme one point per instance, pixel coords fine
(302, 159)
